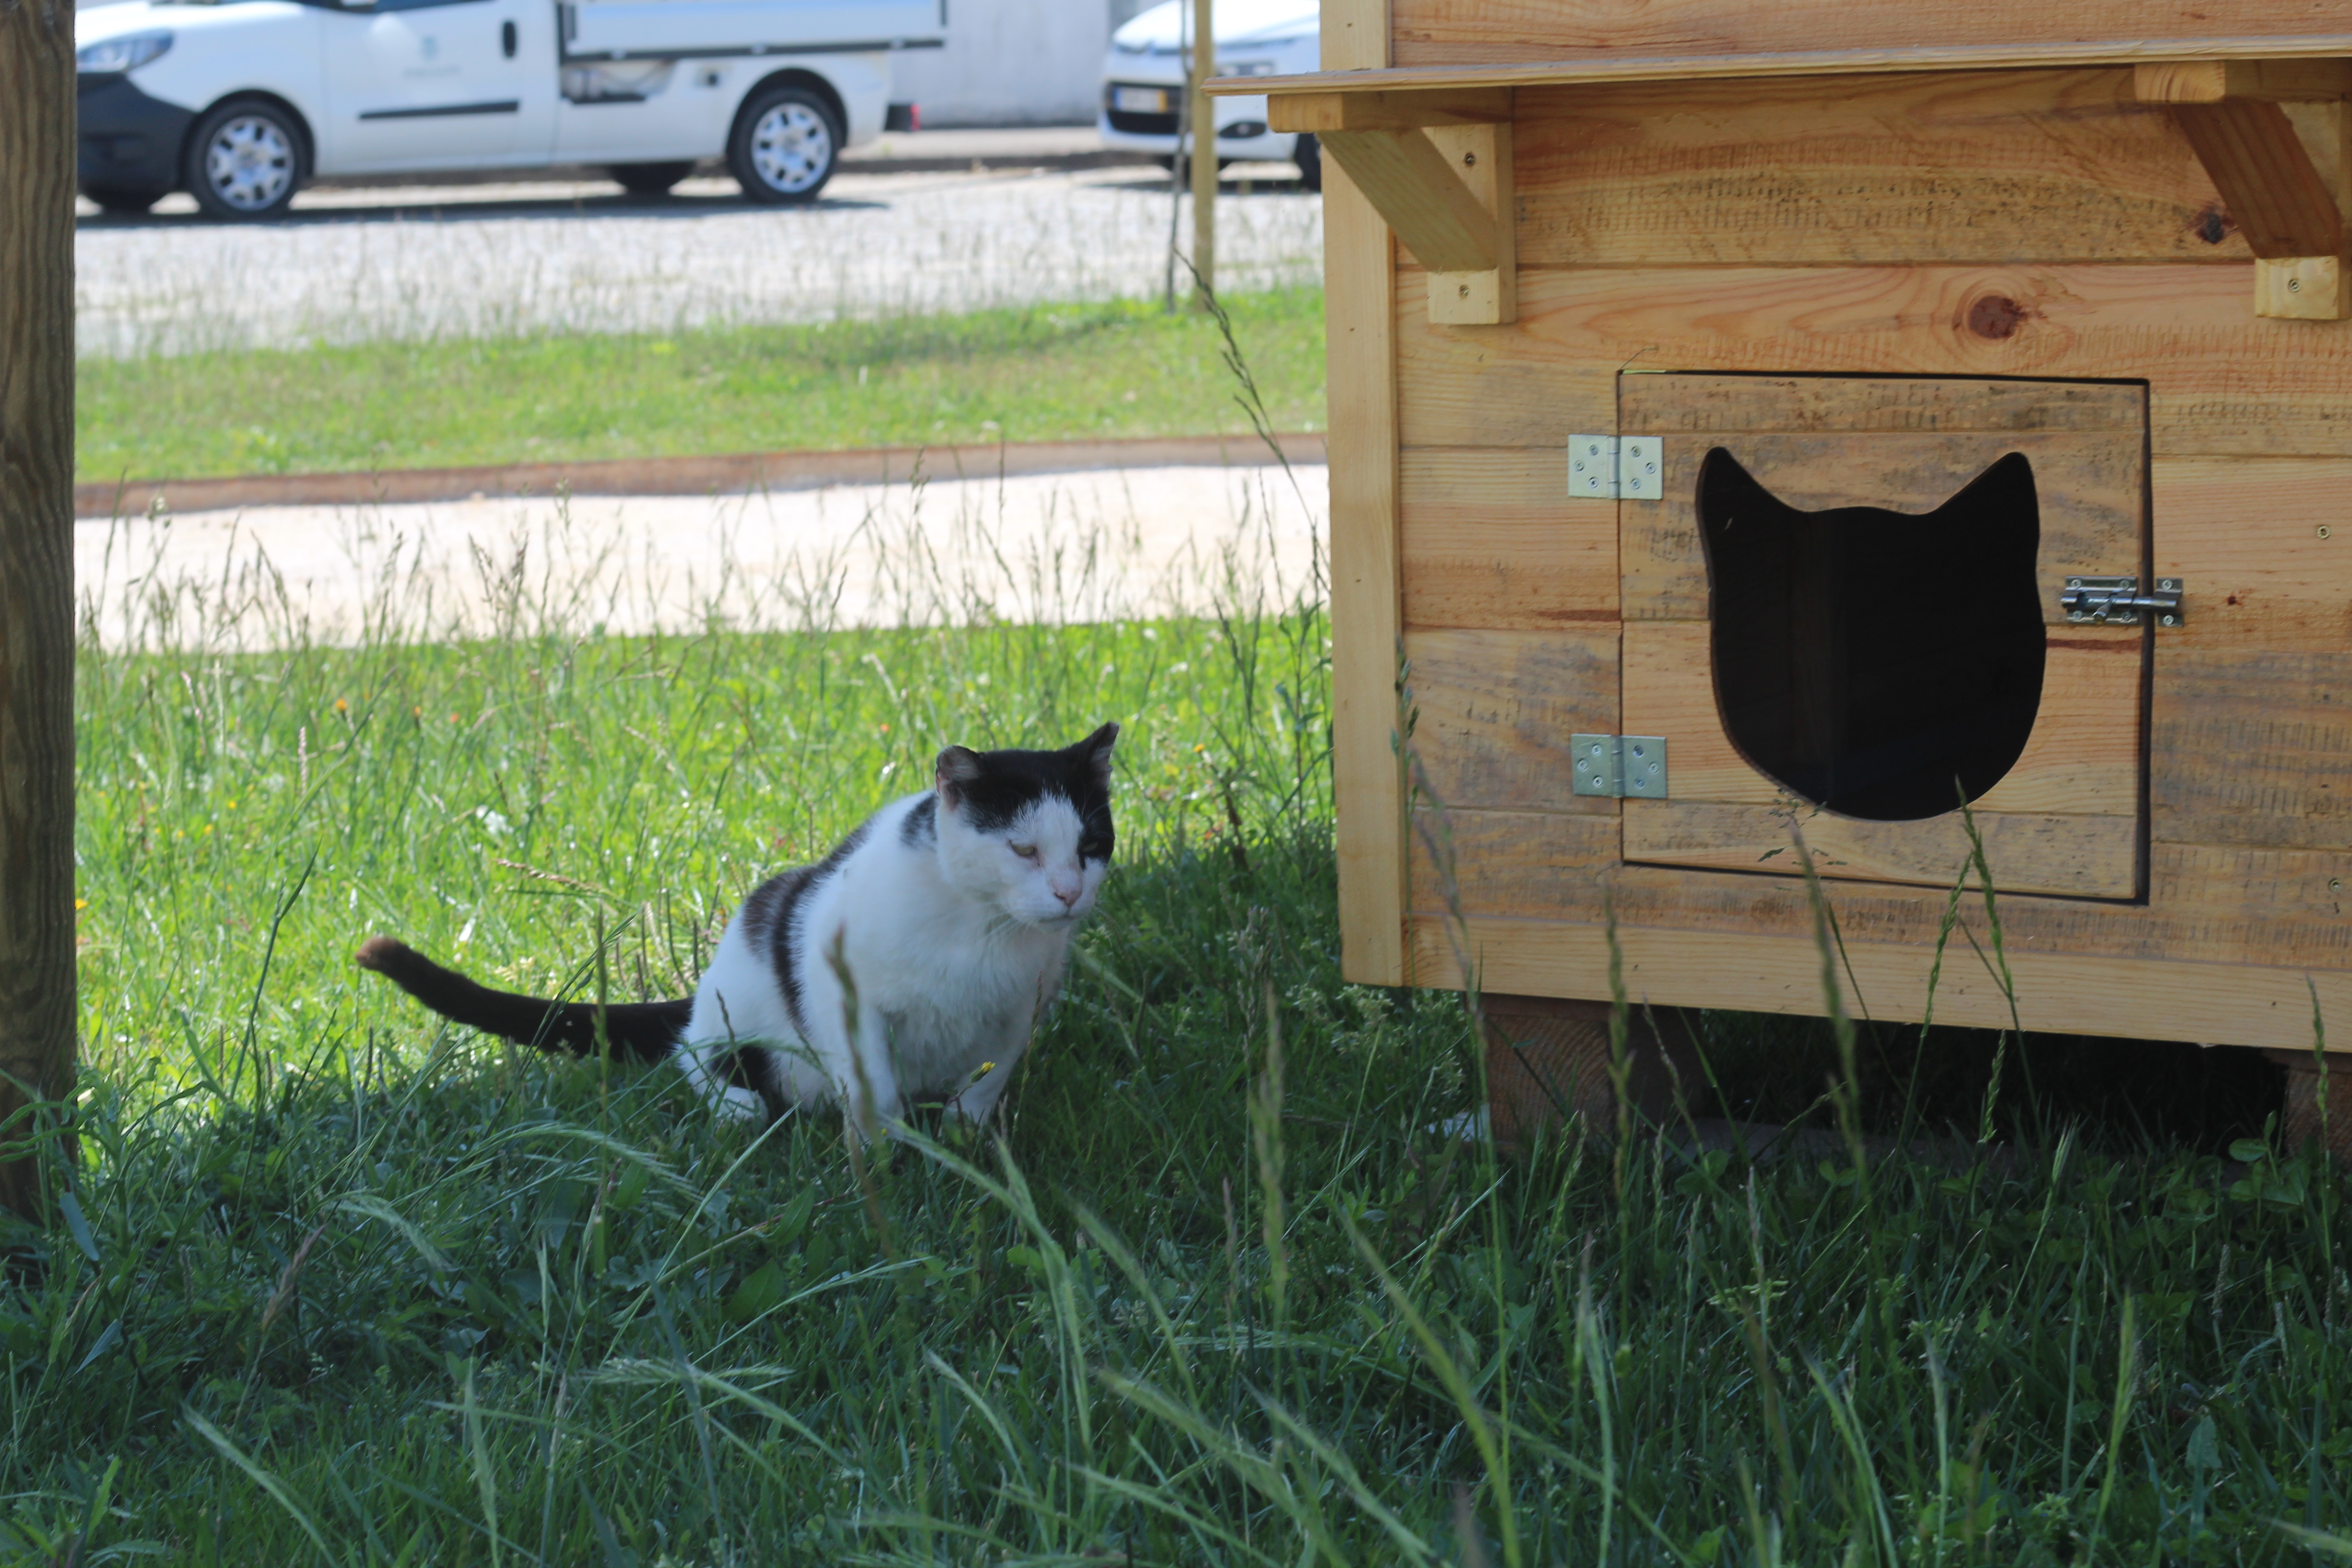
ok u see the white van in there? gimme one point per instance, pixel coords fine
(1144, 78)
(239, 102)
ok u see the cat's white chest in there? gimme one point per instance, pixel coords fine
(952, 1000)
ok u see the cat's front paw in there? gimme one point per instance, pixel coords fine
(739, 1105)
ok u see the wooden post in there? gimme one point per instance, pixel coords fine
(1547, 1059)
(2317, 1106)
(37, 648)
(1367, 613)
(1204, 152)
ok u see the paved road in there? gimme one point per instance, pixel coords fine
(1088, 546)
(420, 262)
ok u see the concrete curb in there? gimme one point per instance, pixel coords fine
(725, 473)
(1059, 162)
(985, 157)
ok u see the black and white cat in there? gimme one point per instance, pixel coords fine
(948, 913)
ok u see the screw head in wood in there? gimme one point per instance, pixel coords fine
(2323, 530)
(1469, 160)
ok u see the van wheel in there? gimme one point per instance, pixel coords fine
(784, 147)
(1308, 156)
(244, 161)
(650, 179)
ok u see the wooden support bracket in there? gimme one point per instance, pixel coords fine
(1438, 168)
(2232, 112)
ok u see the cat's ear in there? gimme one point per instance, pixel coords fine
(959, 768)
(1095, 751)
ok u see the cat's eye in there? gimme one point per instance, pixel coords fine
(1026, 852)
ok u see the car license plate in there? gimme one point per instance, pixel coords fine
(1139, 99)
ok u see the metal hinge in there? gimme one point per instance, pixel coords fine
(2118, 601)
(1619, 765)
(1606, 467)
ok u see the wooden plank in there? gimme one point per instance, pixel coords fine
(1320, 114)
(2088, 488)
(2211, 82)
(2221, 381)
(1700, 405)
(1591, 33)
(1491, 540)
(2082, 756)
(2265, 546)
(1416, 190)
(2251, 746)
(2269, 905)
(1360, 284)
(1510, 862)
(1606, 67)
(1497, 708)
(2065, 857)
(2215, 1004)
(2009, 167)
(2206, 903)
(2274, 194)
(1441, 386)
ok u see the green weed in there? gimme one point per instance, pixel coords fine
(1046, 372)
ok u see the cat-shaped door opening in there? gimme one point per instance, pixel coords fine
(1839, 669)
(1842, 616)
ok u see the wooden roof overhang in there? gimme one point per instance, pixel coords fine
(1430, 146)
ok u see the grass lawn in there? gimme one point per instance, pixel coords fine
(344, 1286)
(1042, 373)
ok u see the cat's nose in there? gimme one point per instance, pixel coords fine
(1070, 898)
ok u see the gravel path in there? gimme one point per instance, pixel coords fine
(411, 262)
(1052, 548)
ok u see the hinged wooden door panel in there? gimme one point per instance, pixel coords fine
(2065, 818)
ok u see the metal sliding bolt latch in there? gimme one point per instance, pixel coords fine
(2118, 601)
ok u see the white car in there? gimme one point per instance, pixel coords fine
(239, 102)
(1143, 80)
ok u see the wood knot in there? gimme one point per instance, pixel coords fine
(1995, 316)
(2213, 225)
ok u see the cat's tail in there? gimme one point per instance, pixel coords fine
(639, 1031)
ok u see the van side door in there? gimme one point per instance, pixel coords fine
(428, 84)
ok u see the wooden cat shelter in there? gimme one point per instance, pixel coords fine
(1751, 418)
